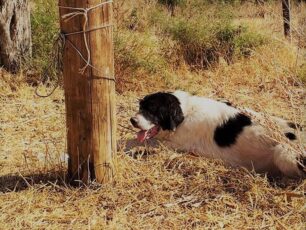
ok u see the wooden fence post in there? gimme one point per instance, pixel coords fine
(286, 17)
(89, 96)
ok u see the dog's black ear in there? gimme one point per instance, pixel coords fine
(171, 115)
(176, 118)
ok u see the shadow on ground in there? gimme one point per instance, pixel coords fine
(16, 183)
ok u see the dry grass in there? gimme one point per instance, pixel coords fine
(154, 188)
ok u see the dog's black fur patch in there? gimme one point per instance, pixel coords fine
(294, 125)
(225, 102)
(290, 136)
(162, 109)
(226, 134)
(228, 103)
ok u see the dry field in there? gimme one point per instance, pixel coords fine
(154, 188)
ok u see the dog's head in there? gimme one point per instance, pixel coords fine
(157, 111)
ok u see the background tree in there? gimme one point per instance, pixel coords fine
(15, 33)
(171, 4)
(286, 17)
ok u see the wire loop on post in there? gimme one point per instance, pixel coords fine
(62, 40)
(84, 12)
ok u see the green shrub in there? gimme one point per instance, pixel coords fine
(147, 41)
(301, 73)
(137, 53)
(158, 18)
(205, 38)
(247, 41)
(194, 41)
(301, 34)
(45, 28)
(203, 41)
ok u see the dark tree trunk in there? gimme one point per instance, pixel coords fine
(259, 2)
(171, 8)
(15, 33)
(286, 17)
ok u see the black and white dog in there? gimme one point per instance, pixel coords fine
(217, 130)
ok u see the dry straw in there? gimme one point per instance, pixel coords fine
(155, 188)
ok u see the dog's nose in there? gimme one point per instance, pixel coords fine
(134, 121)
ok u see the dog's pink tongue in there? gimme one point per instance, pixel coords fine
(142, 135)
